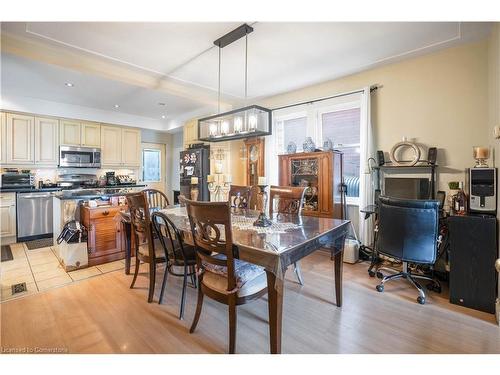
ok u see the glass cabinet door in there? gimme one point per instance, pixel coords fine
(304, 172)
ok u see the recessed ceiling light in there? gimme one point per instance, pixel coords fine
(163, 116)
(117, 106)
(69, 84)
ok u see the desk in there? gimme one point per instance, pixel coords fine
(275, 251)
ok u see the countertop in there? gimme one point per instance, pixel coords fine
(26, 190)
(97, 192)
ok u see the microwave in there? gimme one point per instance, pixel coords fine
(79, 157)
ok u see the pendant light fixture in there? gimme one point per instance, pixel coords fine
(249, 121)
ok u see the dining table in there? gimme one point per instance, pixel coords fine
(287, 240)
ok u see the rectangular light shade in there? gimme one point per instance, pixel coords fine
(240, 123)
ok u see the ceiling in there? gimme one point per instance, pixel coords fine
(183, 61)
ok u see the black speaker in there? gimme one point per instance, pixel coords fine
(432, 155)
(380, 158)
(473, 250)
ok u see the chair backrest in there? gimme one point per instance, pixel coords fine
(408, 229)
(286, 199)
(141, 221)
(239, 196)
(209, 220)
(156, 199)
(169, 236)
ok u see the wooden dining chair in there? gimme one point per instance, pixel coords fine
(156, 199)
(288, 200)
(148, 250)
(177, 253)
(221, 275)
(239, 196)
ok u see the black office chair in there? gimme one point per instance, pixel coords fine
(408, 230)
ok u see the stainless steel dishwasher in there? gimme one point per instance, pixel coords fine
(34, 215)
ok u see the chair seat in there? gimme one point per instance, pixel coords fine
(250, 278)
(159, 253)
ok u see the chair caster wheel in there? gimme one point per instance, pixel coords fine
(380, 288)
(421, 300)
(380, 275)
(371, 273)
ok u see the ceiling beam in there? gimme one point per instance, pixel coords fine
(51, 53)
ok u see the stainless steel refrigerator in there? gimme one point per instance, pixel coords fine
(195, 162)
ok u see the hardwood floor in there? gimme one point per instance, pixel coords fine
(102, 315)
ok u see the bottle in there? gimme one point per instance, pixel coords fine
(461, 201)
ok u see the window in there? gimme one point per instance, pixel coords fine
(290, 129)
(151, 166)
(342, 128)
(336, 118)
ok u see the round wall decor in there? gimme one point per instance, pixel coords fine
(405, 144)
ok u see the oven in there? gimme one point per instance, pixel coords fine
(79, 157)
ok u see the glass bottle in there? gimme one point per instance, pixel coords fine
(461, 201)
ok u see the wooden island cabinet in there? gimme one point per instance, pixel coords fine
(105, 237)
(322, 174)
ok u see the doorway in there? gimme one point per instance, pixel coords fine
(154, 164)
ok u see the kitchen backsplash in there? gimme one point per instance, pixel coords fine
(51, 174)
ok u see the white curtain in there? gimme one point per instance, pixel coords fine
(366, 180)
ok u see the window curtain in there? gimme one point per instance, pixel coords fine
(366, 179)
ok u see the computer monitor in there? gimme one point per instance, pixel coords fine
(407, 187)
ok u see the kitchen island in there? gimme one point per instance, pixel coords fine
(104, 233)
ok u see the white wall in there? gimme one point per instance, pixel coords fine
(440, 99)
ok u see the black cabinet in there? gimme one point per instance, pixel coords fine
(473, 278)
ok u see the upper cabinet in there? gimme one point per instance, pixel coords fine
(111, 141)
(131, 147)
(120, 146)
(79, 133)
(35, 140)
(46, 141)
(90, 134)
(190, 132)
(3, 138)
(20, 133)
(70, 133)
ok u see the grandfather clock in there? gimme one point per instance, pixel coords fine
(255, 160)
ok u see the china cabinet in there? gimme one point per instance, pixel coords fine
(321, 173)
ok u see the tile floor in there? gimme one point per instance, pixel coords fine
(40, 270)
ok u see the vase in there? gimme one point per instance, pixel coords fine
(309, 145)
(291, 148)
(327, 145)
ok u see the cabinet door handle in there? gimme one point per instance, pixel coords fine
(105, 213)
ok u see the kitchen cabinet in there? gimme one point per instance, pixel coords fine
(111, 145)
(46, 141)
(322, 175)
(104, 234)
(120, 146)
(90, 134)
(20, 141)
(7, 215)
(190, 133)
(131, 147)
(80, 133)
(3, 138)
(70, 134)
